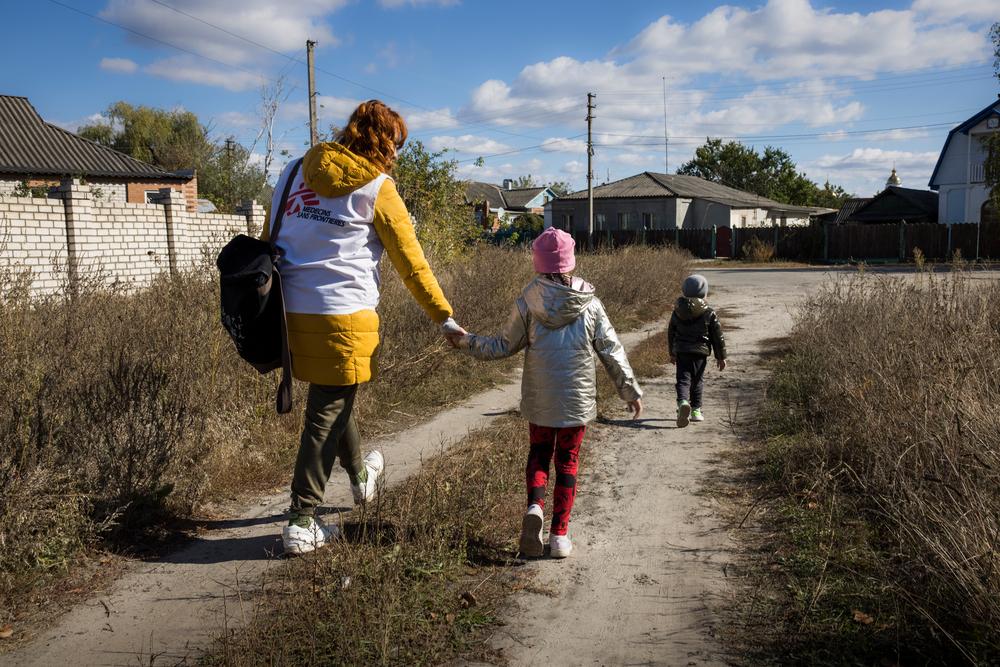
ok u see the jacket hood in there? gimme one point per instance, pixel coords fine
(330, 170)
(554, 304)
(688, 308)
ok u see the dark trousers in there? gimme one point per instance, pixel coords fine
(691, 378)
(329, 433)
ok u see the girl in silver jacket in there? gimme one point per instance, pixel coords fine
(562, 326)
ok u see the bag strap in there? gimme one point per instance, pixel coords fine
(279, 215)
(283, 399)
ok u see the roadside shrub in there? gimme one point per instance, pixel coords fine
(758, 251)
(885, 435)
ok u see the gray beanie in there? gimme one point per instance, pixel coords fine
(695, 286)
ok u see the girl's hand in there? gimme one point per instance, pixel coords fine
(721, 363)
(636, 407)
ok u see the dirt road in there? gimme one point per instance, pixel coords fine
(649, 552)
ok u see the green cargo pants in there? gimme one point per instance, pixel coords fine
(329, 432)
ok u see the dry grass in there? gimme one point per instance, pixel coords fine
(126, 408)
(420, 578)
(881, 474)
(758, 251)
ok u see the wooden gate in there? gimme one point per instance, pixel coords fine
(723, 242)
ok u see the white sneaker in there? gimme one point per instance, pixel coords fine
(531, 532)
(299, 540)
(559, 546)
(683, 413)
(374, 463)
(696, 415)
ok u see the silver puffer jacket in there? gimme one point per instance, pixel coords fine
(562, 328)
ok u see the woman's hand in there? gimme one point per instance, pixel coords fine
(636, 407)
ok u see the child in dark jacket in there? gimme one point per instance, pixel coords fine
(694, 333)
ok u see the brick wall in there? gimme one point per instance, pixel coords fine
(33, 236)
(73, 234)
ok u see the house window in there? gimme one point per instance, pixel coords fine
(568, 222)
(647, 221)
(743, 221)
(151, 196)
(622, 221)
(599, 221)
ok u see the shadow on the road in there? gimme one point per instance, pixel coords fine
(226, 524)
(640, 424)
(206, 552)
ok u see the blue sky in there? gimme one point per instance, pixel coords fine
(848, 88)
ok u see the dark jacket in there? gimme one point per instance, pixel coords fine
(694, 329)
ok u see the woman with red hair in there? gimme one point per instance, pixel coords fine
(342, 212)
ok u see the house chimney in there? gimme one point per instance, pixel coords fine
(508, 183)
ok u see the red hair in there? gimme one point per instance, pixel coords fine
(375, 132)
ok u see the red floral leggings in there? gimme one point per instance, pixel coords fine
(565, 444)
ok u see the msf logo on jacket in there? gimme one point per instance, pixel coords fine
(300, 198)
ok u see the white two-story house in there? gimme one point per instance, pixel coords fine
(959, 176)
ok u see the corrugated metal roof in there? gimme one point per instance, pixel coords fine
(519, 197)
(849, 207)
(30, 146)
(477, 192)
(649, 184)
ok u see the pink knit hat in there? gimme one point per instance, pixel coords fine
(552, 252)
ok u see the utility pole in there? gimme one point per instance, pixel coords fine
(666, 139)
(229, 170)
(590, 170)
(313, 137)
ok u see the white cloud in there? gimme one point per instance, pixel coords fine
(574, 168)
(393, 4)
(865, 170)
(781, 40)
(187, 69)
(791, 38)
(74, 125)
(974, 10)
(120, 65)
(467, 143)
(281, 27)
(563, 145)
(237, 119)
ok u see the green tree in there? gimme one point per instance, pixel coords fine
(561, 188)
(772, 174)
(435, 198)
(525, 181)
(992, 140)
(173, 139)
(176, 140)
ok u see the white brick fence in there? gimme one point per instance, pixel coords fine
(71, 233)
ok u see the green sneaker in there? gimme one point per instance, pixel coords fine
(683, 413)
(696, 415)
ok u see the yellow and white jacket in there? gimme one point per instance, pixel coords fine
(342, 212)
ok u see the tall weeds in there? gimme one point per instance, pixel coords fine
(883, 423)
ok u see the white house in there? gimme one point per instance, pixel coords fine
(507, 202)
(959, 176)
(653, 201)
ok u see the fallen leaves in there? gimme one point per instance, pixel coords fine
(862, 617)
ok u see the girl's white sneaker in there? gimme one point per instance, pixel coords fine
(559, 546)
(531, 532)
(300, 540)
(374, 464)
